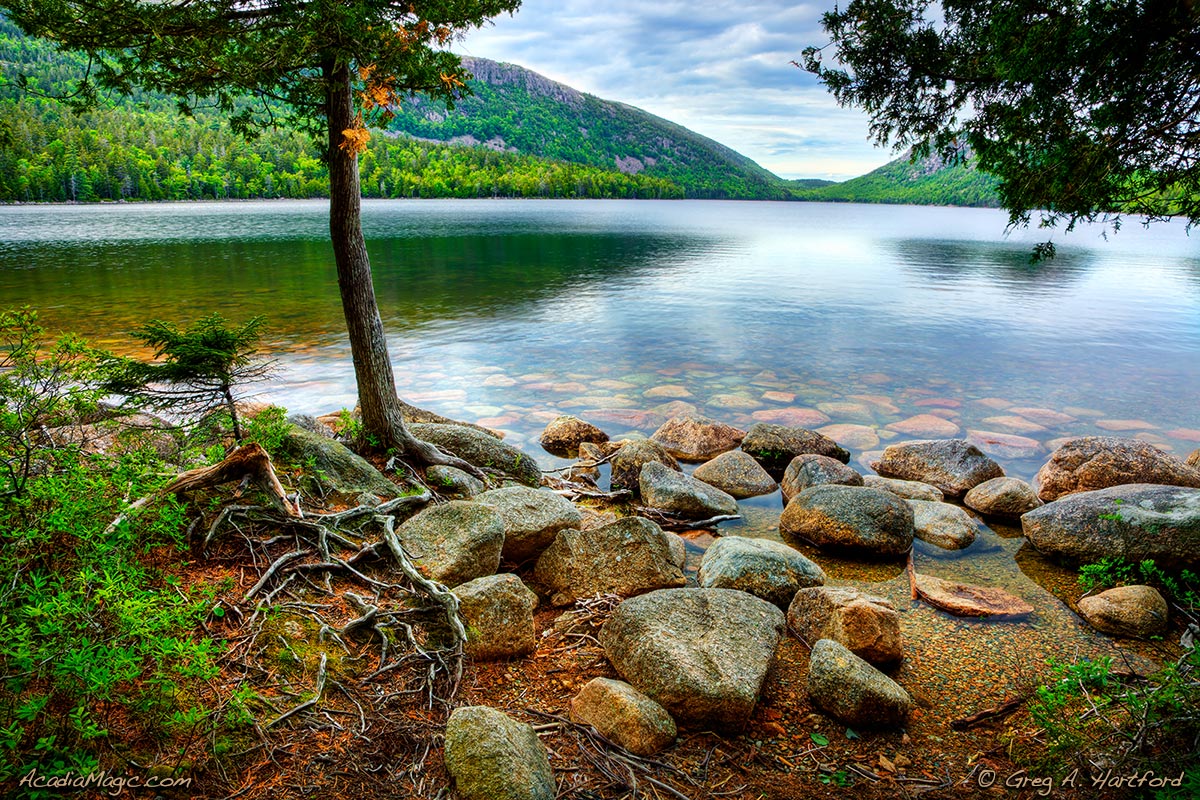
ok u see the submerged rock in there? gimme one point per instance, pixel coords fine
(853, 518)
(852, 691)
(1009, 497)
(532, 518)
(481, 450)
(737, 474)
(691, 437)
(1136, 611)
(762, 567)
(955, 466)
(774, 446)
(813, 470)
(682, 495)
(563, 435)
(497, 611)
(623, 715)
(701, 653)
(868, 626)
(492, 756)
(1098, 462)
(943, 525)
(965, 600)
(927, 425)
(1134, 522)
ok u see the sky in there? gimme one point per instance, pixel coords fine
(722, 69)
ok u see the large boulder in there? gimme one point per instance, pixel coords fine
(665, 489)
(497, 611)
(700, 653)
(1098, 462)
(336, 470)
(868, 626)
(622, 714)
(763, 567)
(909, 490)
(853, 518)
(627, 462)
(852, 691)
(492, 756)
(942, 525)
(737, 474)
(1136, 611)
(1133, 522)
(631, 556)
(692, 437)
(480, 450)
(814, 470)
(1002, 497)
(955, 466)
(454, 542)
(532, 518)
(774, 446)
(563, 435)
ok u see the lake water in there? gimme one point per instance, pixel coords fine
(509, 312)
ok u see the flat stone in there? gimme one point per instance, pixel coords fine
(737, 474)
(692, 437)
(1125, 425)
(793, 417)
(671, 491)
(497, 611)
(995, 403)
(909, 490)
(454, 542)
(762, 567)
(1005, 445)
(1014, 424)
(881, 402)
(1136, 611)
(671, 391)
(1186, 434)
(965, 600)
(532, 519)
(1043, 416)
(925, 425)
(700, 653)
(622, 714)
(1002, 497)
(938, 402)
(853, 518)
(627, 557)
(779, 397)
(847, 410)
(852, 691)
(599, 402)
(860, 437)
(627, 417)
(955, 466)
(814, 470)
(943, 525)
(1098, 462)
(492, 756)
(867, 625)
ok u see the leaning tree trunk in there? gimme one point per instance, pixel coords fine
(382, 411)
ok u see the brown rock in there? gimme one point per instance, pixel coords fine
(1098, 462)
(669, 391)
(868, 626)
(1005, 445)
(909, 490)
(736, 473)
(860, 437)
(623, 715)
(1194, 459)
(813, 470)
(1002, 497)
(1136, 611)
(563, 436)
(925, 425)
(953, 465)
(627, 462)
(794, 417)
(965, 600)
(692, 437)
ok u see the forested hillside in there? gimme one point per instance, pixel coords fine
(924, 182)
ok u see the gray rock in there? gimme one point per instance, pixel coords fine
(562, 436)
(1098, 462)
(453, 482)
(492, 756)
(909, 490)
(627, 462)
(852, 691)
(853, 518)
(497, 611)
(623, 715)
(1006, 497)
(337, 470)
(737, 474)
(867, 625)
(692, 437)
(955, 466)
(763, 567)
(813, 470)
(480, 450)
(311, 424)
(631, 556)
(700, 653)
(774, 446)
(942, 524)
(1135, 522)
(455, 542)
(1137, 611)
(532, 518)
(682, 495)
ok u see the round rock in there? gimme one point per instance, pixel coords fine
(737, 474)
(1136, 611)
(814, 470)
(853, 518)
(955, 466)
(692, 437)
(497, 611)
(665, 489)
(942, 524)
(774, 446)
(1003, 497)
(623, 715)
(563, 435)
(763, 567)
(852, 691)
(492, 756)
(532, 518)
(627, 462)
(1098, 462)
(455, 542)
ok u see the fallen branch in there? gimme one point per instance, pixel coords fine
(979, 717)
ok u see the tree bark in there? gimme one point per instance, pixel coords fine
(381, 409)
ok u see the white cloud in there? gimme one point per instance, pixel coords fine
(720, 69)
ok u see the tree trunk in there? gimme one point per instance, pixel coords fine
(381, 409)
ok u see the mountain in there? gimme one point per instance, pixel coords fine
(927, 181)
(513, 109)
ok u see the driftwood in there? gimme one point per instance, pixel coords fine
(248, 460)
